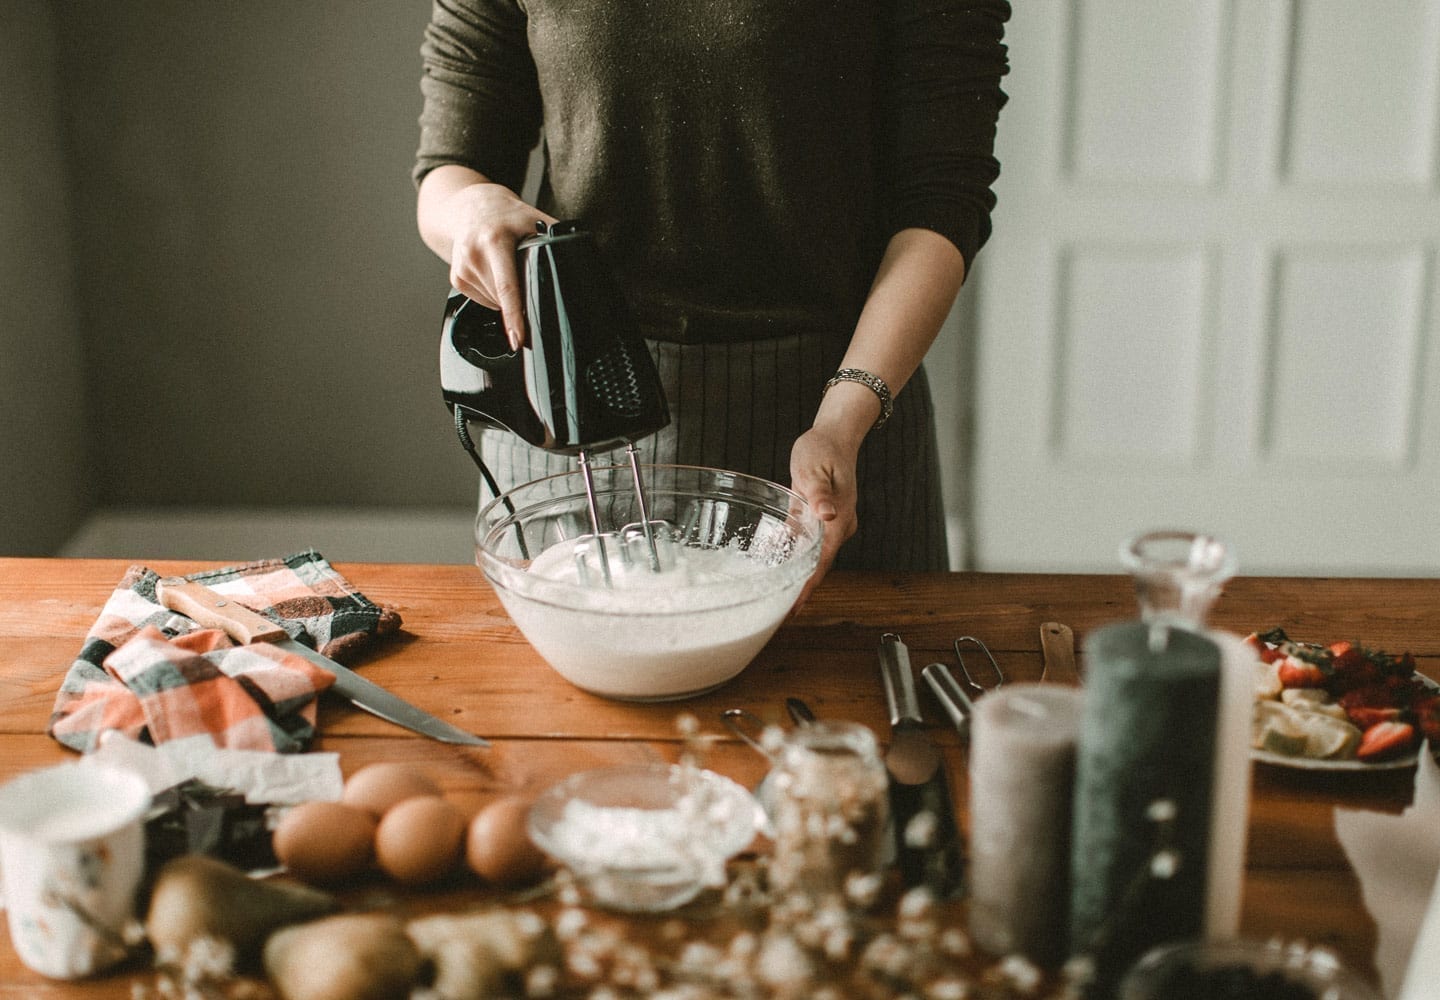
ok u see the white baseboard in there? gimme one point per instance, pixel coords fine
(957, 537)
(237, 534)
(424, 535)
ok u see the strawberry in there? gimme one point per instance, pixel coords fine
(1297, 673)
(1427, 711)
(1364, 717)
(1344, 650)
(1374, 695)
(1403, 690)
(1266, 652)
(1350, 667)
(1386, 739)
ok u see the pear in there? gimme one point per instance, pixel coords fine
(352, 956)
(479, 954)
(196, 896)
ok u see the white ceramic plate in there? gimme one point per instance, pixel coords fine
(1318, 764)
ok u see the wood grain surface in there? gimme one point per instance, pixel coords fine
(459, 657)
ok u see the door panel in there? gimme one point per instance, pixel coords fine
(1211, 297)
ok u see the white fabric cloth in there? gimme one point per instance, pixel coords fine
(1397, 859)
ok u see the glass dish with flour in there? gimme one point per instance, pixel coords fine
(645, 838)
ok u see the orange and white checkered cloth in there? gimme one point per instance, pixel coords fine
(156, 676)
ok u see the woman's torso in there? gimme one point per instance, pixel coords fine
(722, 153)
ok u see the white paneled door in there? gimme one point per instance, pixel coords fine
(1211, 300)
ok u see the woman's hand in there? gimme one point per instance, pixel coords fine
(475, 224)
(822, 470)
(913, 290)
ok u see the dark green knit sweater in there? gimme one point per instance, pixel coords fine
(742, 163)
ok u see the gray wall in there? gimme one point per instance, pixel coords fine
(45, 485)
(258, 318)
(207, 227)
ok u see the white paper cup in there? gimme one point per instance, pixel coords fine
(72, 853)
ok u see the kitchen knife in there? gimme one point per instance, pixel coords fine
(1057, 646)
(215, 610)
(927, 839)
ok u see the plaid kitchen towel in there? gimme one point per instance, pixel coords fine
(155, 675)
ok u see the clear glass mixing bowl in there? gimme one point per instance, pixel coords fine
(735, 552)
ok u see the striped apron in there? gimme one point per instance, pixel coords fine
(740, 405)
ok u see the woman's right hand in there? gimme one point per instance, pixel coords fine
(475, 224)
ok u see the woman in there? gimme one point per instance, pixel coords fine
(790, 194)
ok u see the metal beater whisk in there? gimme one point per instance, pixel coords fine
(591, 549)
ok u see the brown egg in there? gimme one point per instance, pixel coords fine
(498, 848)
(419, 840)
(325, 841)
(377, 787)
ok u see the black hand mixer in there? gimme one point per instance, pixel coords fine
(584, 381)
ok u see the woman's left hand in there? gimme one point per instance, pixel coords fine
(822, 470)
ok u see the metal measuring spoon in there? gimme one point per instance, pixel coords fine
(750, 729)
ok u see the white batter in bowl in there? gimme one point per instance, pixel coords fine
(742, 550)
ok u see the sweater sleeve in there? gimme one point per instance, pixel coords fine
(481, 98)
(941, 102)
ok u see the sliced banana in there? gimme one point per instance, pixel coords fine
(1313, 700)
(1302, 731)
(1278, 724)
(1267, 681)
(1328, 738)
(1282, 736)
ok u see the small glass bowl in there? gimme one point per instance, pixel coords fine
(645, 838)
(1218, 970)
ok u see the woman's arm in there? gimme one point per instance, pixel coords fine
(474, 224)
(479, 121)
(914, 288)
(940, 105)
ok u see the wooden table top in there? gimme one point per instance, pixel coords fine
(459, 657)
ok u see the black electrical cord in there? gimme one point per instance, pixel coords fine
(462, 430)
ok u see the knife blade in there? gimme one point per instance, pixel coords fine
(927, 853)
(215, 610)
(1057, 647)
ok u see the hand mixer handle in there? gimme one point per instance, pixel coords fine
(585, 380)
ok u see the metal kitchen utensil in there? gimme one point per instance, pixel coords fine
(950, 695)
(927, 838)
(584, 382)
(912, 756)
(975, 685)
(800, 712)
(214, 610)
(645, 542)
(748, 727)
(1057, 648)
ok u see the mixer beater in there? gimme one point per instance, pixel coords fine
(653, 538)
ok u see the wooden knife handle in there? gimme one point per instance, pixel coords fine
(1057, 644)
(212, 610)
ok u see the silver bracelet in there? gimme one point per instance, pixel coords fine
(872, 381)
